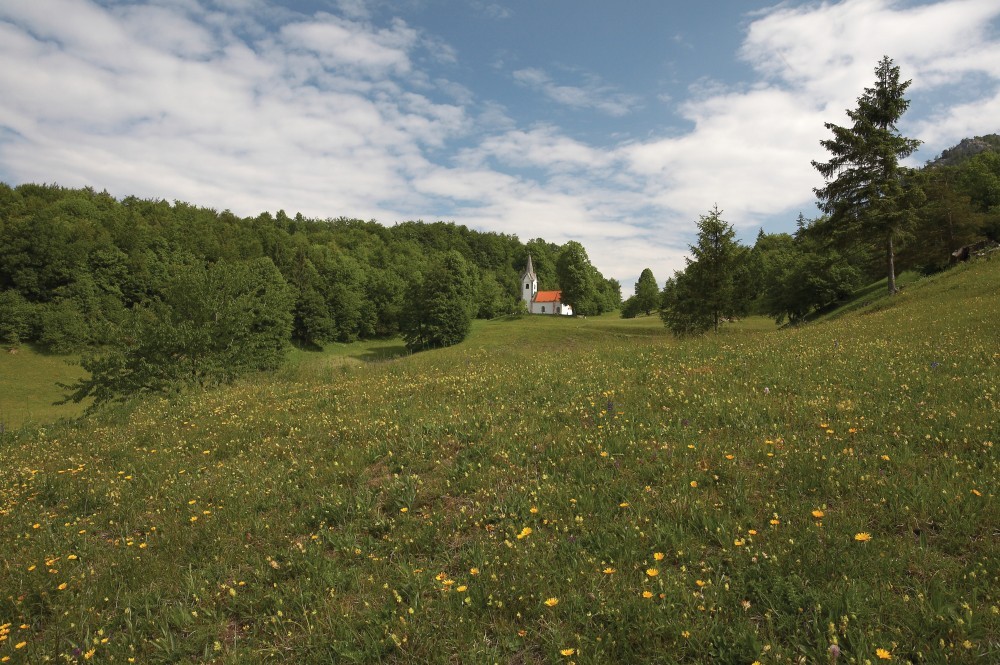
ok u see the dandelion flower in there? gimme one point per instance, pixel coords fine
(694, 483)
(609, 571)
(647, 594)
(818, 514)
(658, 556)
(473, 571)
(20, 645)
(652, 572)
(568, 652)
(883, 654)
(862, 537)
(525, 532)
(552, 602)
(62, 587)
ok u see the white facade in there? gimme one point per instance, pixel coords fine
(541, 302)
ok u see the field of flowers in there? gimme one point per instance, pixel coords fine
(550, 491)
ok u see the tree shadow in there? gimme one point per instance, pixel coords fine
(382, 354)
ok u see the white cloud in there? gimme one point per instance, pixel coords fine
(344, 43)
(592, 95)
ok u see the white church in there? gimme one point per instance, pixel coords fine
(541, 302)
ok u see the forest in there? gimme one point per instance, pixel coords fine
(159, 294)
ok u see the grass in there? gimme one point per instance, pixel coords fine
(28, 389)
(550, 491)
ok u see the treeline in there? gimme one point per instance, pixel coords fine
(788, 276)
(80, 269)
(879, 218)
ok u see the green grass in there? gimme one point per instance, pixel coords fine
(667, 494)
(28, 387)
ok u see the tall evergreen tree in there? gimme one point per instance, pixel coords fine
(705, 292)
(866, 192)
(647, 292)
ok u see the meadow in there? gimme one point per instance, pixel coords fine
(549, 491)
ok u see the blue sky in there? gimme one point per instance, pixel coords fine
(615, 124)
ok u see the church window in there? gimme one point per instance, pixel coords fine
(543, 309)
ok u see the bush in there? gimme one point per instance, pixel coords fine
(211, 325)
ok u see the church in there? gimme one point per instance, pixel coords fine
(541, 302)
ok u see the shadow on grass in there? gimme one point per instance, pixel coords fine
(382, 353)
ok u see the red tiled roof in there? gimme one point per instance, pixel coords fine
(548, 296)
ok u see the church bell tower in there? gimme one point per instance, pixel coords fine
(529, 284)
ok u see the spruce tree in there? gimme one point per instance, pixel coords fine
(705, 292)
(866, 194)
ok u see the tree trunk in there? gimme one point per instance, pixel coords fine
(892, 267)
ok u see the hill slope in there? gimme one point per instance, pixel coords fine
(549, 491)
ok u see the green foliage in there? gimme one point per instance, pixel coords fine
(576, 279)
(211, 325)
(867, 195)
(647, 292)
(947, 221)
(439, 308)
(16, 317)
(708, 289)
(630, 308)
(803, 273)
(64, 249)
(62, 327)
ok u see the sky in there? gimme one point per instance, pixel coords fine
(616, 124)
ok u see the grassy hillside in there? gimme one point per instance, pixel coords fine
(551, 491)
(28, 387)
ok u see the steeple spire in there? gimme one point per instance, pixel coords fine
(530, 282)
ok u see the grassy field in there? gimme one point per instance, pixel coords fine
(28, 389)
(550, 491)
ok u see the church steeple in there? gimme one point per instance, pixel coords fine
(529, 283)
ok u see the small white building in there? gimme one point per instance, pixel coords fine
(541, 302)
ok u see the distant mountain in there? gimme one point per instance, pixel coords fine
(967, 149)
